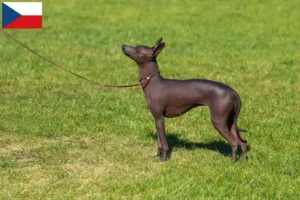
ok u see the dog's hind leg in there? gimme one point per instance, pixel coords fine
(235, 130)
(243, 142)
(220, 125)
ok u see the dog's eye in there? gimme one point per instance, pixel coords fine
(138, 48)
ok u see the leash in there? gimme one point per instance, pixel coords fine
(143, 81)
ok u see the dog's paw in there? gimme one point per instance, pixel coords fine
(159, 152)
(164, 156)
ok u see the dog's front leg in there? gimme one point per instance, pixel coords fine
(163, 147)
(159, 146)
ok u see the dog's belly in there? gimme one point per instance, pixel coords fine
(176, 110)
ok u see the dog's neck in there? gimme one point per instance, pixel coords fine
(150, 69)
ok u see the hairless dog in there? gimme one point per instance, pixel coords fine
(172, 98)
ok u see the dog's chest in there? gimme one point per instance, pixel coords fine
(150, 102)
(155, 102)
(159, 104)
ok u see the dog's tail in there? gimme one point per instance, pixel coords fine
(238, 109)
(242, 130)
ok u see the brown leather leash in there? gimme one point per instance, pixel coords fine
(142, 82)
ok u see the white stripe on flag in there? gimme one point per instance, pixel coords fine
(26, 8)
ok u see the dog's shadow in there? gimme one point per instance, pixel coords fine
(175, 142)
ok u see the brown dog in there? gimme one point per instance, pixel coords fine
(172, 98)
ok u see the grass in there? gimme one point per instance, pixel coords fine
(63, 138)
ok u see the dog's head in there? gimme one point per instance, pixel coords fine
(142, 54)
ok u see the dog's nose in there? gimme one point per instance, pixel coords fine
(123, 46)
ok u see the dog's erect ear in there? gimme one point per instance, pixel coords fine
(158, 49)
(157, 43)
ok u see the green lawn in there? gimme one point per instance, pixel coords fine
(64, 138)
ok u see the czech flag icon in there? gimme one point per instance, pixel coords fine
(22, 15)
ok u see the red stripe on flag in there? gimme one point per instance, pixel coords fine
(26, 22)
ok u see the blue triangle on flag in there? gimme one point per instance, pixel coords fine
(8, 15)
